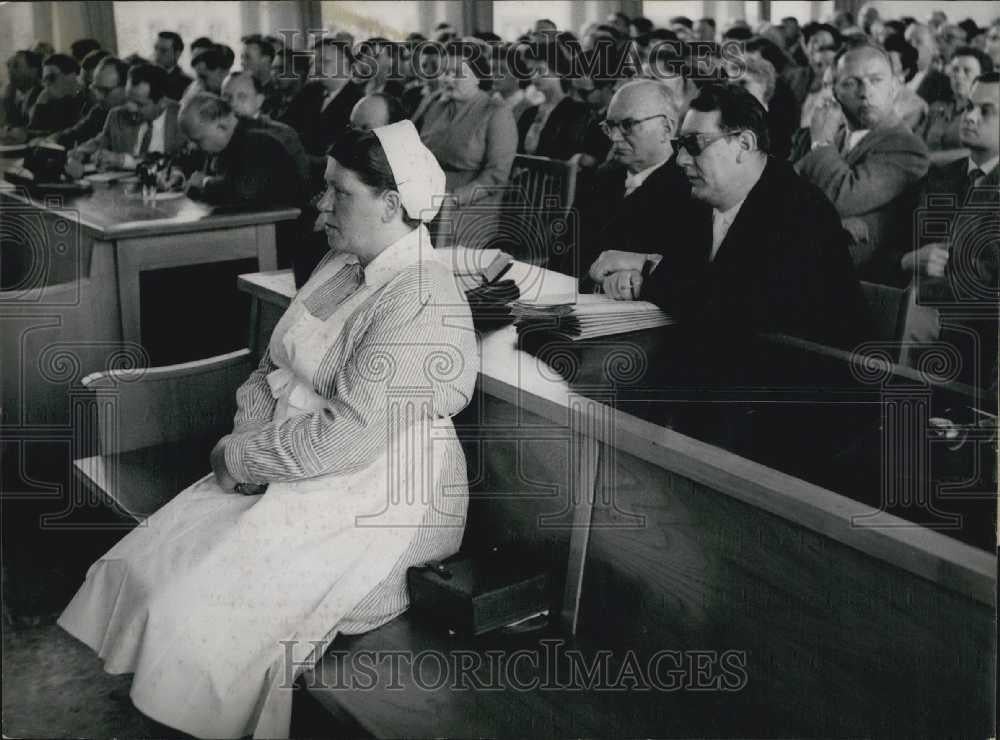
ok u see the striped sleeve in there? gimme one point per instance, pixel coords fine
(413, 360)
(255, 403)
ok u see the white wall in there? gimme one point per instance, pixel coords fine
(982, 11)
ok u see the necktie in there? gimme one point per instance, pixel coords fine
(631, 183)
(720, 225)
(147, 137)
(324, 301)
(974, 174)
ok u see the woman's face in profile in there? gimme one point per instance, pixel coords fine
(350, 211)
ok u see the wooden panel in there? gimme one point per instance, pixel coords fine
(836, 642)
(156, 252)
(148, 407)
(521, 489)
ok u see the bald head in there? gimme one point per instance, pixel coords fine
(643, 98)
(370, 112)
(641, 120)
(243, 92)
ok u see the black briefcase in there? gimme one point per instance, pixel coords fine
(477, 594)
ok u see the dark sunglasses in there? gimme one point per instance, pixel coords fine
(50, 77)
(695, 144)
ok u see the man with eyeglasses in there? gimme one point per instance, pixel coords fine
(758, 248)
(865, 159)
(631, 200)
(146, 122)
(108, 91)
(63, 99)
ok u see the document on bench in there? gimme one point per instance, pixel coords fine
(586, 316)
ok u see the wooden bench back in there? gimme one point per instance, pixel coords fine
(153, 406)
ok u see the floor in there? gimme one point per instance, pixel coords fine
(54, 686)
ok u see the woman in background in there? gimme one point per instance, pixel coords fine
(474, 137)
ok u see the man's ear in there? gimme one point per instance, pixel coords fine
(393, 204)
(747, 141)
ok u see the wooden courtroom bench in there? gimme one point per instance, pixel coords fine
(750, 601)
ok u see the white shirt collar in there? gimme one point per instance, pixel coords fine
(855, 137)
(405, 251)
(986, 167)
(914, 83)
(634, 181)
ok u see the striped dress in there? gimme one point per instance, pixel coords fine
(218, 601)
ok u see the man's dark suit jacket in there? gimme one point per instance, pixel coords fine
(288, 137)
(85, 129)
(564, 133)
(318, 127)
(49, 116)
(606, 219)
(17, 112)
(967, 296)
(255, 168)
(177, 83)
(782, 267)
(935, 86)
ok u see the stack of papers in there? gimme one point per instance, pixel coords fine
(587, 316)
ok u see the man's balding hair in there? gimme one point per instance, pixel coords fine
(654, 91)
(205, 107)
(243, 74)
(851, 46)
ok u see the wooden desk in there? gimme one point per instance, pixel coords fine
(851, 620)
(71, 269)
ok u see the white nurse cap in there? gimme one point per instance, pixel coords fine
(418, 175)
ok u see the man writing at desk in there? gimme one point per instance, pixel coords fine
(252, 165)
(760, 249)
(147, 122)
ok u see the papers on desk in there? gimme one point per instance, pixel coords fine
(587, 317)
(109, 177)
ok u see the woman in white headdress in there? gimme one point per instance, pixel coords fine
(219, 600)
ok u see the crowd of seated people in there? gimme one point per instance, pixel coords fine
(838, 133)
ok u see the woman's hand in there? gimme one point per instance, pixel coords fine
(218, 459)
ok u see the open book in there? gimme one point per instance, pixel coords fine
(586, 316)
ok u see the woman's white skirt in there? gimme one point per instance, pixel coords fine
(218, 601)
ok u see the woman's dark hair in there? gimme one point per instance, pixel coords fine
(556, 57)
(476, 56)
(361, 152)
(908, 54)
(738, 110)
(985, 63)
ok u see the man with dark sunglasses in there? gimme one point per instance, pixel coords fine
(63, 100)
(759, 250)
(631, 200)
